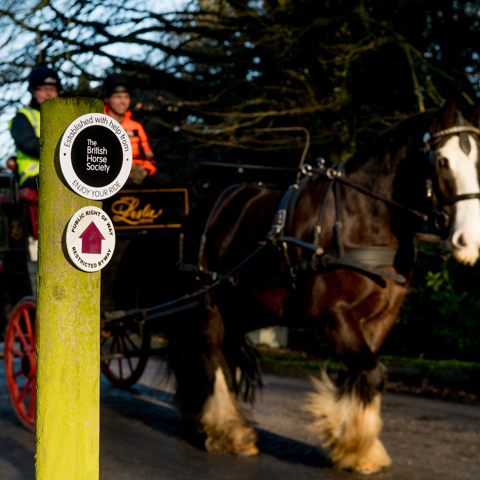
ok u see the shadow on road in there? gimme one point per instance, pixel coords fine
(154, 408)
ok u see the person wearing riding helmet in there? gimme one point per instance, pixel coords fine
(116, 93)
(43, 84)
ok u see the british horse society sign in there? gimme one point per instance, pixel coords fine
(95, 156)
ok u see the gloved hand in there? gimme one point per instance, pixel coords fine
(137, 174)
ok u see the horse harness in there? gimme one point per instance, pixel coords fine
(366, 259)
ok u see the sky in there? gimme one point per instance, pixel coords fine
(8, 147)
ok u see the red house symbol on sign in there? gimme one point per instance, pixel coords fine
(92, 239)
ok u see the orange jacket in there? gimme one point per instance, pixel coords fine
(141, 151)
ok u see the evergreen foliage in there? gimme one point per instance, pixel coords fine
(254, 79)
(440, 319)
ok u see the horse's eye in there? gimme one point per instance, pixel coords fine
(442, 162)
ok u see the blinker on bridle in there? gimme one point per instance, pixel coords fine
(441, 219)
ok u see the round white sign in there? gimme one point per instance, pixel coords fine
(95, 156)
(90, 239)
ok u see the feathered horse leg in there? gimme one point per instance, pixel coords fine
(205, 387)
(347, 419)
(347, 414)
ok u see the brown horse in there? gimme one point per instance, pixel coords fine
(336, 250)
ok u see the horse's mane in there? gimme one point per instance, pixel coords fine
(382, 151)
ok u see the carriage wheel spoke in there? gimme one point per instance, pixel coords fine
(120, 368)
(124, 344)
(24, 391)
(16, 374)
(22, 338)
(116, 342)
(131, 342)
(28, 324)
(127, 361)
(16, 352)
(112, 346)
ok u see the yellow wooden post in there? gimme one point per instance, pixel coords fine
(68, 318)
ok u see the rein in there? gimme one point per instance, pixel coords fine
(335, 175)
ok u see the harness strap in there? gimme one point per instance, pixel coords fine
(337, 229)
(280, 220)
(365, 260)
(428, 137)
(335, 262)
(331, 174)
(376, 256)
(286, 208)
(458, 198)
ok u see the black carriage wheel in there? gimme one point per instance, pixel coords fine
(124, 355)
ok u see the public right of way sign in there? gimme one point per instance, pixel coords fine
(90, 239)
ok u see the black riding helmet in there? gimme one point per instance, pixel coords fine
(42, 75)
(115, 83)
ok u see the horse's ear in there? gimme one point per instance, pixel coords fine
(447, 116)
(450, 113)
(475, 117)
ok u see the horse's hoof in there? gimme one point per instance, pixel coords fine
(367, 468)
(249, 450)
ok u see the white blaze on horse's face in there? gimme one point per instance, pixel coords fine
(466, 229)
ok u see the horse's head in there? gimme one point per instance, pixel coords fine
(453, 185)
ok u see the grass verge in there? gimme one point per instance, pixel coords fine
(448, 379)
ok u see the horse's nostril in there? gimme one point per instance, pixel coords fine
(461, 241)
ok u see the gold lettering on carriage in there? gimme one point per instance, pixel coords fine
(127, 210)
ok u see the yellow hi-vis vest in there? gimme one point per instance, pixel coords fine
(28, 166)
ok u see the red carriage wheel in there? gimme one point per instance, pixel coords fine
(124, 354)
(20, 360)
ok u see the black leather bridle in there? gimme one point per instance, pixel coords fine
(441, 219)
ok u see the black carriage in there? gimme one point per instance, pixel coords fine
(136, 284)
(146, 219)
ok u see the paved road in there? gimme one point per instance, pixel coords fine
(141, 438)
